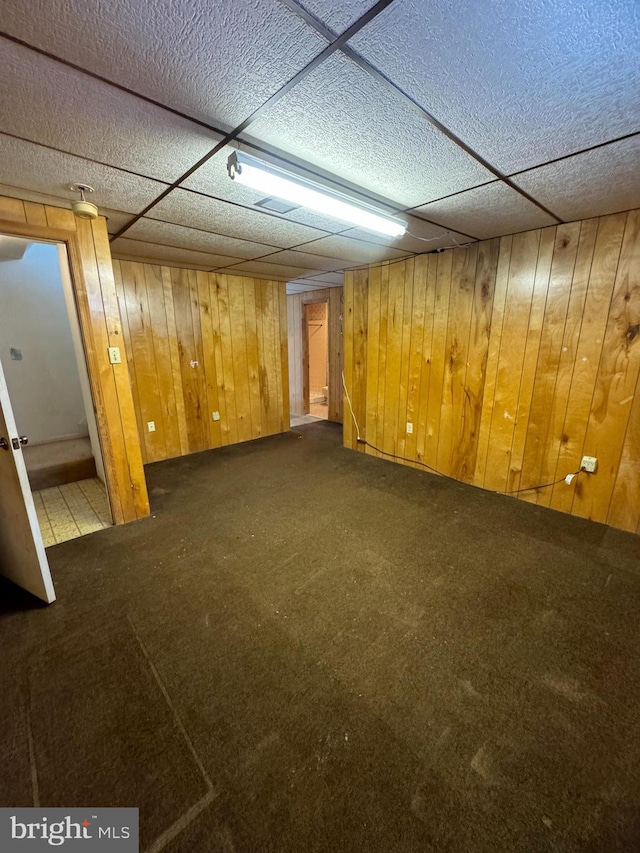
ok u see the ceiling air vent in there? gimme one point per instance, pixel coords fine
(276, 205)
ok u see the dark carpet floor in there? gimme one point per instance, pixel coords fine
(308, 649)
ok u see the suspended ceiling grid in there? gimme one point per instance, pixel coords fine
(469, 120)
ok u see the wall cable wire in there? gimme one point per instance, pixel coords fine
(361, 440)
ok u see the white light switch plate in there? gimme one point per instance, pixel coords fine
(114, 355)
(409, 428)
(151, 426)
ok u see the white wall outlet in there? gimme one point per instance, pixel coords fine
(589, 464)
(215, 416)
(409, 428)
(114, 355)
(151, 426)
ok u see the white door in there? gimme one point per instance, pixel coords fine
(22, 556)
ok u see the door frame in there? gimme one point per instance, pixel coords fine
(306, 393)
(95, 298)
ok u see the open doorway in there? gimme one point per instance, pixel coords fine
(43, 359)
(316, 359)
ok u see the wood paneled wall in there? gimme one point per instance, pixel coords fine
(511, 358)
(295, 301)
(200, 343)
(92, 274)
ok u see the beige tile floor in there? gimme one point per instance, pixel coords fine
(298, 420)
(66, 512)
(320, 410)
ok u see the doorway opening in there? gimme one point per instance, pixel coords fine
(43, 359)
(316, 367)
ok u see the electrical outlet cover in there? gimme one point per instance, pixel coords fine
(589, 464)
(215, 416)
(151, 426)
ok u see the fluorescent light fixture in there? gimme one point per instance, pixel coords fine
(254, 173)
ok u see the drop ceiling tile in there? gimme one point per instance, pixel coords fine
(294, 287)
(306, 259)
(420, 236)
(271, 271)
(259, 276)
(24, 164)
(488, 211)
(353, 251)
(338, 16)
(331, 279)
(142, 259)
(159, 254)
(116, 219)
(606, 180)
(302, 284)
(521, 83)
(217, 62)
(340, 119)
(187, 208)
(75, 113)
(212, 179)
(190, 238)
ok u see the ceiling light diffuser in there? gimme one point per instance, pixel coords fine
(268, 179)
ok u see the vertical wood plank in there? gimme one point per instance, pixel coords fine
(594, 323)
(226, 352)
(181, 289)
(174, 355)
(335, 411)
(253, 365)
(427, 350)
(35, 214)
(144, 359)
(209, 366)
(373, 350)
(566, 365)
(348, 425)
(263, 378)
(284, 357)
(478, 351)
(277, 367)
(272, 372)
(13, 209)
(225, 417)
(444, 268)
(359, 385)
(541, 300)
(201, 415)
(416, 342)
(542, 396)
(395, 309)
(405, 356)
(495, 338)
(624, 511)
(524, 257)
(463, 276)
(615, 381)
(60, 218)
(122, 307)
(382, 355)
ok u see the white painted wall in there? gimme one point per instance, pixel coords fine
(44, 387)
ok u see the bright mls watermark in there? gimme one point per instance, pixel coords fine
(103, 830)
